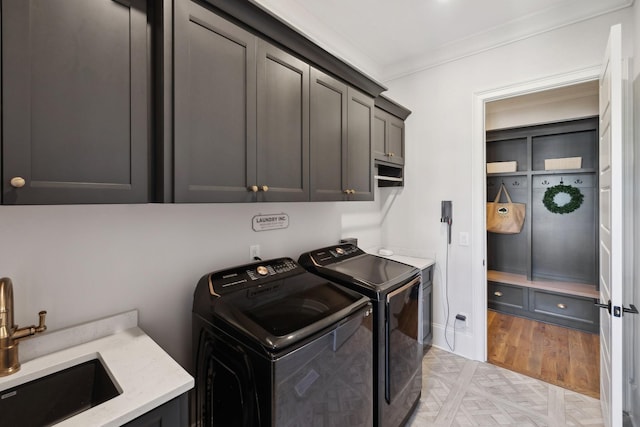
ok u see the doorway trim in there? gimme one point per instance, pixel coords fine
(478, 186)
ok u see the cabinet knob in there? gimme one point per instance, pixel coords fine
(264, 188)
(253, 188)
(17, 182)
(347, 191)
(561, 306)
(391, 154)
(498, 293)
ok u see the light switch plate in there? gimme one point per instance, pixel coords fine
(463, 238)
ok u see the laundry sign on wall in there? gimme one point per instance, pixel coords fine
(270, 222)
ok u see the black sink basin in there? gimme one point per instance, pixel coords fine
(57, 396)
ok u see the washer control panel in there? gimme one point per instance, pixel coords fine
(256, 274)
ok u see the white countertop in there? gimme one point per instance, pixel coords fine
(417, 262)
(144, 373)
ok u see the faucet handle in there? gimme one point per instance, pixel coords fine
(41, 326)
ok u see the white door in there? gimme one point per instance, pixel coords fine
(611, 229)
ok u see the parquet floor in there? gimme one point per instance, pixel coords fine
(557, 355)
(459, 392)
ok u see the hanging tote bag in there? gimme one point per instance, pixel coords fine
(505, 218)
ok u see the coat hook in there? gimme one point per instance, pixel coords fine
(578, 181)
(545, 182)
(516, 183)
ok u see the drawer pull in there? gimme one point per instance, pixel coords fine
(498, 293)
(561, 306)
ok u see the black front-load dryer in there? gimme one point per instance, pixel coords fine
(275, 345)
(393, 288)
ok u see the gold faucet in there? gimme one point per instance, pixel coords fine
(9, 333)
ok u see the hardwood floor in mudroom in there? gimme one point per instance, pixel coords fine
(561, 356)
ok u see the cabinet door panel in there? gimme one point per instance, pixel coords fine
(214, 112)
(328, 137)
(565, 247)
(283, 125)
(360, 133)
(75, 101)
(380, 135)
(396, 140)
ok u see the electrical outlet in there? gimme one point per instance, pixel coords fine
(462, 318)
(254, 252)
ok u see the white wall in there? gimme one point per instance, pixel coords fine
(566, 103)
(438, 138)
(86, 262)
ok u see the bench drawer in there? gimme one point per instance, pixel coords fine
(503, 295)
(569, 307)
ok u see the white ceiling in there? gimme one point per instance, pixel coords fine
(391, 38)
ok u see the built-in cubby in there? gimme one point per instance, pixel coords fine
(548, 271)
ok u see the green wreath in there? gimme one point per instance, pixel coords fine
(550, 195)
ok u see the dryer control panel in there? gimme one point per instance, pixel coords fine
(330, 254)
(250, 275)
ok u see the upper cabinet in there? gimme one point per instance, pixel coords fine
(341, 137)
(130, 101)
(359, 145)
(283, 126)
(388, 142)
(388, 138)
(241, 128)
(75, 102)
(328, 138)
(214, 108)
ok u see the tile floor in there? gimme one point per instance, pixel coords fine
(462, 392)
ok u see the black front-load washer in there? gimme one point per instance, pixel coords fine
(275, 345)
(393, 288)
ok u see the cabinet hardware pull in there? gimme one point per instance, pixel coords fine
(253, 188)
(347, 191)
(264, 188)
(353, 191)
(18, 182)
(498, 293)
(561, 306)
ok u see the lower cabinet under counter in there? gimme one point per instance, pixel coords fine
(174, 413)
(571, 311)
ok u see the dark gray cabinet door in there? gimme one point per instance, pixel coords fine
(395, 141)
(328, 138)
(283, 126)
(174, 413)
(359, 147)
(215, 108)
(75, 101)
(380, 135)
(388, 137)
